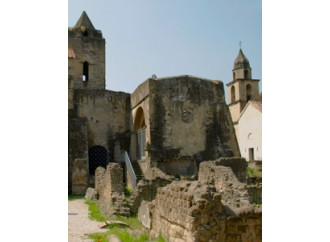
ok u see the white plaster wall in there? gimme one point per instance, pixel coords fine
(250, 123)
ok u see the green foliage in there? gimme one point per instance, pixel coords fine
(253, 173)
(133, 222)
(94, 211)
(74, 197)
(128, 192)
(122, 233)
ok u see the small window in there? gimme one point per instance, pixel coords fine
(85, 71)
(233, 94)
(246, 74)
(248, 92)
(251, 154)
(233, 75)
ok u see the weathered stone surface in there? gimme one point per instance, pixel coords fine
(91, 194)
(215, 208)
(144, 214)
(220, 174)
(147, 188)
(109, 181)
(79, 176)
(109, 184)
(177, 109)
(78, 143)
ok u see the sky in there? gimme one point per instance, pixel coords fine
(168, 38)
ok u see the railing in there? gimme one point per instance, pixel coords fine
(125, 158)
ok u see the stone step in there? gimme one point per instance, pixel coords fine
(137, 170)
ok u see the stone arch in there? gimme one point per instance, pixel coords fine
(248, 92)
(140, 130)
(97, 156)
(232, 91)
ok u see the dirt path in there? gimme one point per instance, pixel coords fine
(79, 223)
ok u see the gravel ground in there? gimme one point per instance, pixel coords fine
(79, 223)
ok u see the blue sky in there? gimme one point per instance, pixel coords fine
(167, 38)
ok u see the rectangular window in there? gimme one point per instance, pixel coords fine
(251, 154)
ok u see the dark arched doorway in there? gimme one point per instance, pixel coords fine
(97, 156)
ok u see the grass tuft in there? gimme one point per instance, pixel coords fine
(253, 173)
(94, 211)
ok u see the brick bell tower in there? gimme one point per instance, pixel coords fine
(242, 88)
(86, 56)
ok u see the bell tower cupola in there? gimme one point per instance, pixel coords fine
(242, 69)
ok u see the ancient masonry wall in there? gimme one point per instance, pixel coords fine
(107, 117)
(78, 143)
(192, 211)
(146, 190)
(226, 175)
(183, 107)
(215, 208)
(109, 181)
(79, 176)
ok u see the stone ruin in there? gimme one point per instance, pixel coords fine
(216, 207)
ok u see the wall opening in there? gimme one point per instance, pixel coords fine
(232, 91)
(85, 71)
(248, 92)
(140, 129)
(246, 74)
(251, 154)
(97, 156)
(233, 75)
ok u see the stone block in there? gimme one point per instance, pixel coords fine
(91, 194)
(144, 214)
(79, 176)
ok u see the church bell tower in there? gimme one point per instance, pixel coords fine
(242, 88)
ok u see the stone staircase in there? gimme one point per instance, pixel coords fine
(138, 171)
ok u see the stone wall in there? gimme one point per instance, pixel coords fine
(78, 143)
(146, 189)
(193, 211)
(107, 116)
(183, 107)
(109, 181)
(255, 193)
(80, 176)
(224, 174)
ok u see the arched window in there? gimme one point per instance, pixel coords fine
(232, 91)
(85, 71)
(97, 156)
(248, 92)
(233, 75)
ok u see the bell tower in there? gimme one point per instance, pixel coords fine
(86, 55)
(242, 88)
